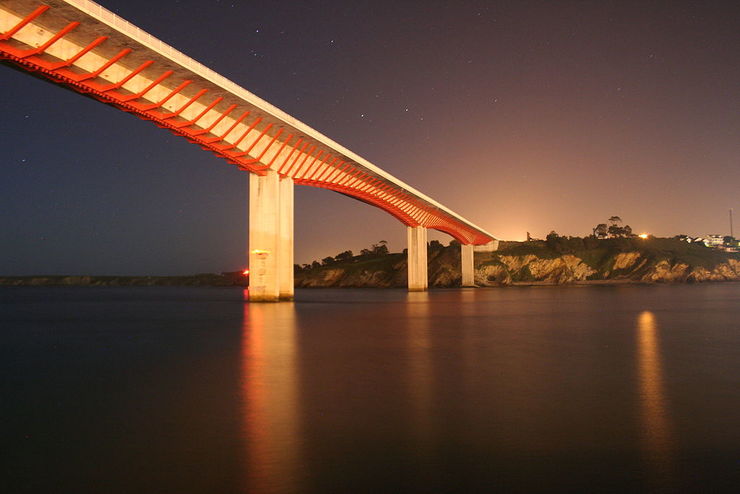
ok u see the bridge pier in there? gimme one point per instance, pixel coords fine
(417, 258)
(270, 237)
(467, 263)
(285, 254)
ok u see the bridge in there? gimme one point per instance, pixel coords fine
(83, 46)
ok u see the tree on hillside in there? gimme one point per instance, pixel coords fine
(435, 245)
(375, 250)
(601, 230)
(620, 231)
(557, 243)
(381, 248)
(344, 256)
(613, 230)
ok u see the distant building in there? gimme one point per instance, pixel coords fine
(691, 240)
(731, 244)
(715, 241)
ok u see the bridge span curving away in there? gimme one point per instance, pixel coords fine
(83, 46)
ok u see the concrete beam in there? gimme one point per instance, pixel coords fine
(467, 264)
(264, 233)
(285, 257)
(417, 258)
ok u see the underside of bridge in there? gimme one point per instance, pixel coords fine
(81, 45)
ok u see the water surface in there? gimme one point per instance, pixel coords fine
(528, 389)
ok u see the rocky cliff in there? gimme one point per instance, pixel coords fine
(625, 260)
(382, 272)
(630, 266)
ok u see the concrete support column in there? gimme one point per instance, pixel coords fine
(468, 266)
(417, 258)
(285, 256)
(264, 228)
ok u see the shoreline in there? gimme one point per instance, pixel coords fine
(205, 279)
(222, 281)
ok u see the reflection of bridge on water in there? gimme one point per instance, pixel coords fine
(87, 48)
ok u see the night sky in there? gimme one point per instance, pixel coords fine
(520, 116)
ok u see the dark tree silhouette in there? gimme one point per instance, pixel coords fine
(601, 230)
(344, 256)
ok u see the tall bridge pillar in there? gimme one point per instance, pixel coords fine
(468, 265)
(285, 254)
(264, 245)
(417, 258)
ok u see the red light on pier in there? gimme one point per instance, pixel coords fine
(245, 272)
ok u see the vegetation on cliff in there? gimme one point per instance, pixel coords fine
(377, 267)
(556, 260)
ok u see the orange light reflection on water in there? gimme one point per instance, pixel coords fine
(270, 430)
(418, 345)
(657, 433)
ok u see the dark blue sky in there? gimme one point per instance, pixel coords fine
(521, 116)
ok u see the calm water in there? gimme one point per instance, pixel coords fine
(181, 390)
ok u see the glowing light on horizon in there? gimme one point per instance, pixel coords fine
(643, 235)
